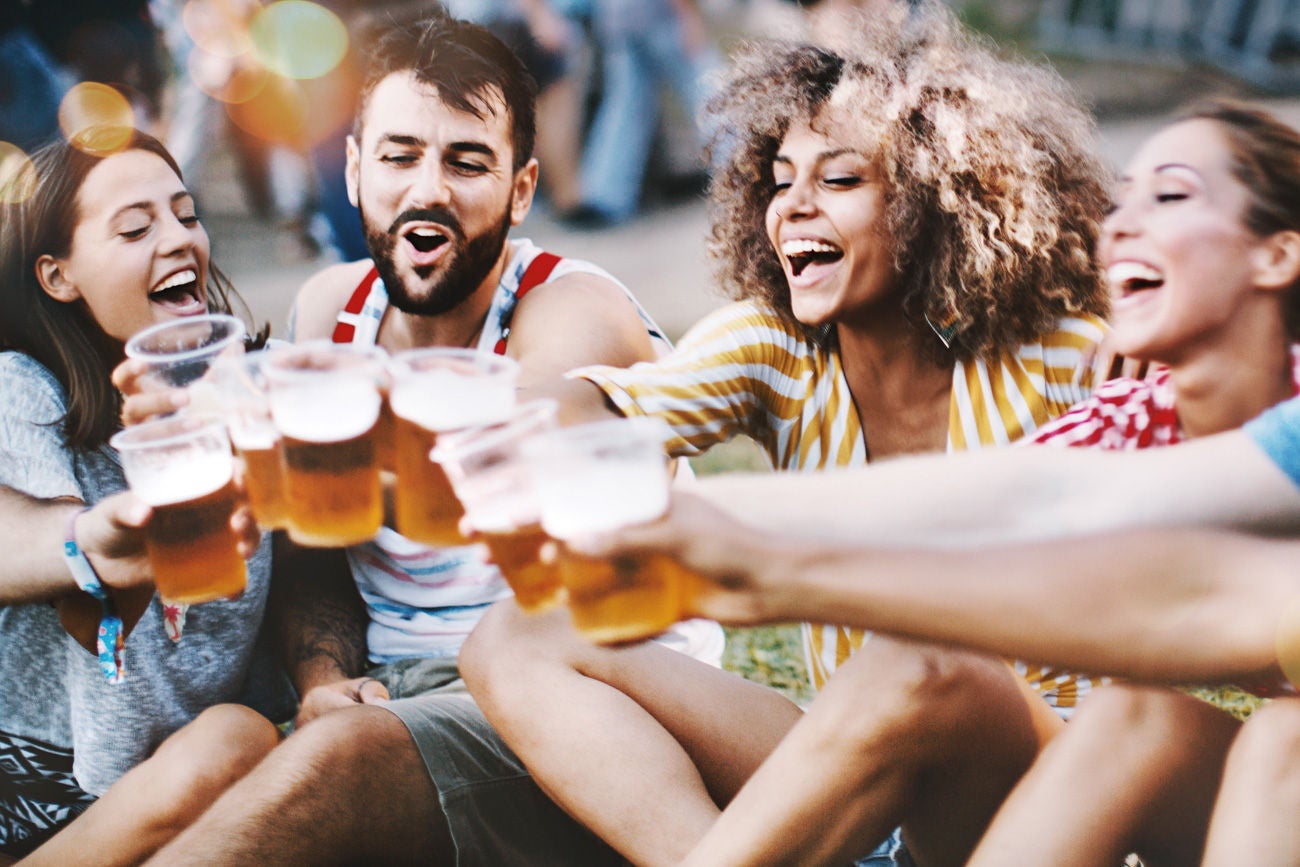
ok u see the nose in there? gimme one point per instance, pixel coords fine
(429, 185)
(797, 201)
(174, 236)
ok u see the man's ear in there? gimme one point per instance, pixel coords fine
(54, 280)
(353, 170)
(1275, 261)
(521, 194)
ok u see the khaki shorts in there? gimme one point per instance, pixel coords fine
(497, 814)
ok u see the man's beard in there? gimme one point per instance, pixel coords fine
(466, 266)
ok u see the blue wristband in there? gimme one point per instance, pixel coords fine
(109, 641)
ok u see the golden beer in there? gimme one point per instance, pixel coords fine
(517, 553)
(426, 508)
(623, 599)
(596, 478)
(325, 404)
(333, 490)
(264, 481)
(193, 549)
(436, 392)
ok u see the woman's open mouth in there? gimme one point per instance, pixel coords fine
(180, 294)
(803, 253)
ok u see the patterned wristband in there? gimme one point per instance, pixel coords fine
(110, 641)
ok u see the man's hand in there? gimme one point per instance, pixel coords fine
(339, 694)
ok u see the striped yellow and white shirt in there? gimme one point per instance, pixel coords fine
(744, 370)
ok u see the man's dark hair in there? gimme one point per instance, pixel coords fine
(464, 63)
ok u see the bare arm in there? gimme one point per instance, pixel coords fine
(320, 623)
(546, 344)
(1165, 605)
(1032, 492)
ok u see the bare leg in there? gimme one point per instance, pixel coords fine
(350, 787)
(1136, 770)
(154, 801)
(638, 743)
(904, 733)
(559, 141)
(1254, 818)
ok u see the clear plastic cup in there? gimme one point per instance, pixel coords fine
(180, 353)
(435, 392)
(595, 478)
(183, 468)
(242, 392)
(325, 401)
(491, 479)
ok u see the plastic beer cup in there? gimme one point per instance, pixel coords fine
(180, 353)
(598, 477)
(492, 482)
(325, 402)
(241, 387)
(183, 468)
(434, 392)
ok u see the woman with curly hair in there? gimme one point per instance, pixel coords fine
(907, 223)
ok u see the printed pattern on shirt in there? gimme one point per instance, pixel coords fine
(743, 369)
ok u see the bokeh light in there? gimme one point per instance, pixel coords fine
(299, 39)
(93, 105)
(296, 113)
(224, 80)
(219, 28)
(17, 175)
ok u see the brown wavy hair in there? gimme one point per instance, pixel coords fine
(995, 189)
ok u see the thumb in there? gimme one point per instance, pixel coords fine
(372, 691)
(124, 511)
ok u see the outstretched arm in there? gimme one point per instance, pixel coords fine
(1033, 492)
(1163, 605)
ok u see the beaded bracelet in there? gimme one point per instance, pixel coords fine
(109, 641)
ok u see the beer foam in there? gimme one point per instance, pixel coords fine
(439, 400)
(162, 483)
(504, 512)
(341, 410)
(590, 497)
(253, 437)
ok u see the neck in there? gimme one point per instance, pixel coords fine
(1223, 388)
(458, 327)
(893, 351)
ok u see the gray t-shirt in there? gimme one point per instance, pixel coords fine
(53, 689)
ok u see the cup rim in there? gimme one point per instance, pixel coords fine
(401, 362)
(129, 439)
(480, 438)
(613, 430)
(133, 349)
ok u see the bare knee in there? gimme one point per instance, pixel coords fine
(1148, 722)
(508, 647)
(1270, 740)
(894, 692)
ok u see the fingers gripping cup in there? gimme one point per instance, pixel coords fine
(493, 484)
(325, 404)
(242, 391)
(179, 353)
(599, 477)
(183, 468)
(435, 392)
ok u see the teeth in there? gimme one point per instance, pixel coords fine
(807, 245)
(178, 279)
(427, 233)
(1122, 273)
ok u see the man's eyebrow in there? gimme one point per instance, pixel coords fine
(399, 139)
(472, 147)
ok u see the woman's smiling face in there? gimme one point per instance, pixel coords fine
(1176, 250)
(139, 255)
(826, 222)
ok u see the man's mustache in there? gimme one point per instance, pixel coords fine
(441, 216)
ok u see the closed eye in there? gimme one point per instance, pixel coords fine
(133, 234)
(843, 182)
(1162, 198)
(398, 159)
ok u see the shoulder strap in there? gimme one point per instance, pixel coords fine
(344, 330)
(535, 274)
